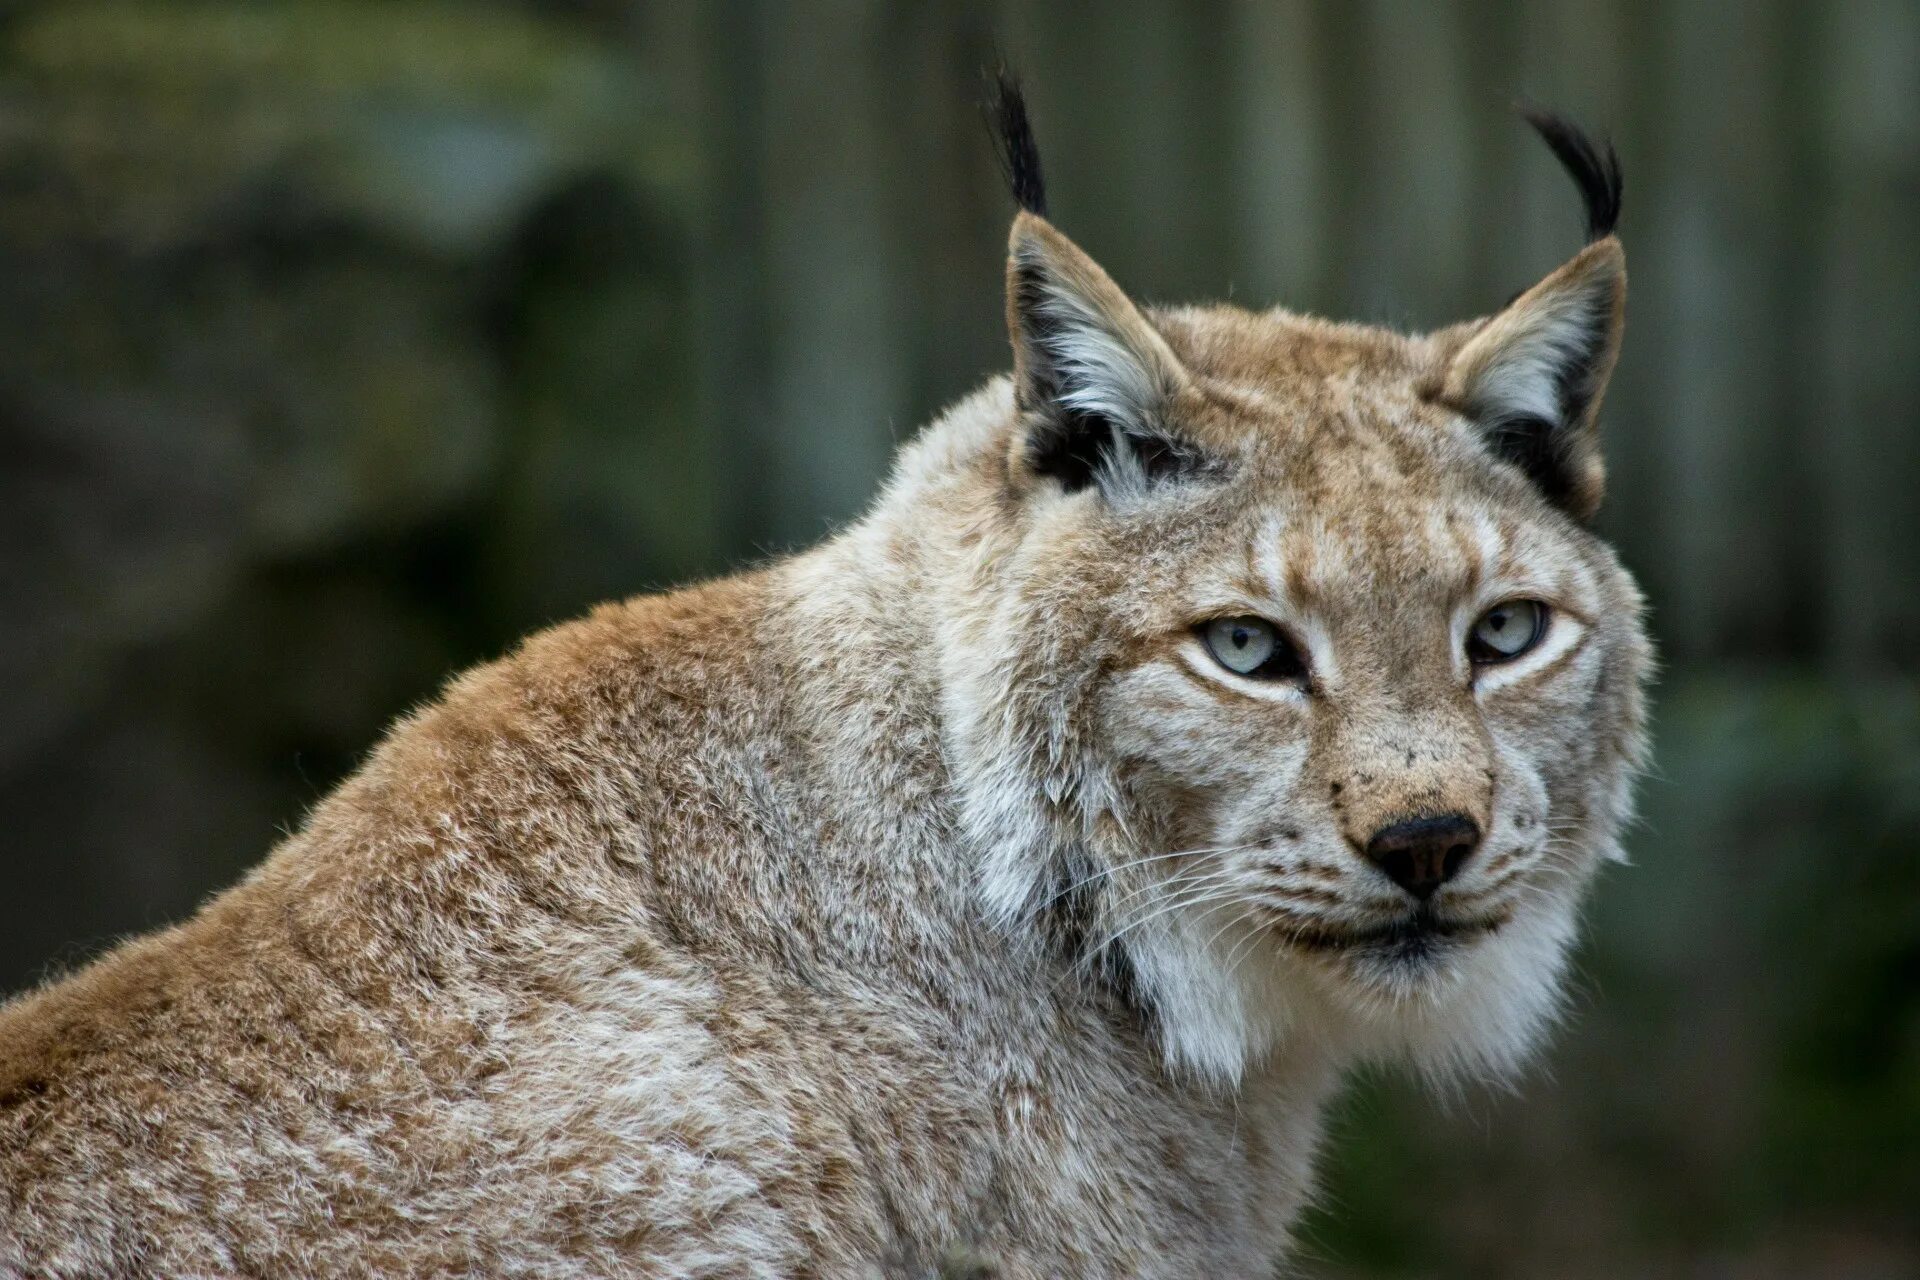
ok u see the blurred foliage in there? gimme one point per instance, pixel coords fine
(342, 343)
(438, 124)
(338, 346)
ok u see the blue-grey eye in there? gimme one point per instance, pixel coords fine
(1507, 630)
(1251, 646)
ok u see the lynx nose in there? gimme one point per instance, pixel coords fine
(1421, 854)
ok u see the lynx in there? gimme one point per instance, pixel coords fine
(1223, 699)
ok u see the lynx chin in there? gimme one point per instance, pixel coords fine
(1222, 699)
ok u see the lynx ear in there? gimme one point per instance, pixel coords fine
(1092, 377)
(1532, 376)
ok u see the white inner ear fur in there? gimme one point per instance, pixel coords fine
(1517, 366)
(1096, 370)
(1549, 353)
(1087, 348)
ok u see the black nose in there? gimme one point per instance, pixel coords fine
(1421, 854)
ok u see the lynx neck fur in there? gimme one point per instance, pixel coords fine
(1223, 699)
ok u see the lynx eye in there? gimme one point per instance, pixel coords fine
(1507, 630)
(1252, 647)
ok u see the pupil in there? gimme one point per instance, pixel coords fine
(1240, 637)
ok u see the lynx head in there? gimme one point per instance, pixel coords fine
(1289, 693)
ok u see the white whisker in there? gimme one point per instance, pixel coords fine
(1105, 872)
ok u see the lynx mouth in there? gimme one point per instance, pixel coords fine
(1413, 934)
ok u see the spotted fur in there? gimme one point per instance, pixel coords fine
(929, 895)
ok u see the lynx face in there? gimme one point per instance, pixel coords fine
(1304, 701)
(1363, 795)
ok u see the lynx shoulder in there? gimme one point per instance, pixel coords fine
(1223, 699)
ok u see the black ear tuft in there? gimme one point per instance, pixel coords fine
(1595, 168)
(1013, 141)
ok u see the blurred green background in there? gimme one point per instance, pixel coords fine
(340, 344)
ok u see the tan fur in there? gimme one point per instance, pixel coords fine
(721, 933)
